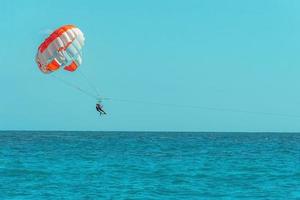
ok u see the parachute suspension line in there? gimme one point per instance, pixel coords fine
(75, 87)
(206, 108)
(92, 86)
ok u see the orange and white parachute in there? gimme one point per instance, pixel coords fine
(62, 49)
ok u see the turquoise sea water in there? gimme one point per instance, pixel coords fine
(139, 165)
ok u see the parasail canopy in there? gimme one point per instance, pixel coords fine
(61, 49)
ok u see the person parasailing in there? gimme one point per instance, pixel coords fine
(99, 108)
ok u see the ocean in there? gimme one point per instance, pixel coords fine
(149, 165)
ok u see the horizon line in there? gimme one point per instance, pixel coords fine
(149, 131)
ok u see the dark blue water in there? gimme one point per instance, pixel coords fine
(99, 165)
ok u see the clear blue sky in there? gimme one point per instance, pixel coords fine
(239, 55)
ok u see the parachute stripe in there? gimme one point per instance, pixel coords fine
(57, 33)
(72, 51)
(59, 43)
(78, 60)
(72, 67)
(53, 65)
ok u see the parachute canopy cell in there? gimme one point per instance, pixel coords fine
(61, 49)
